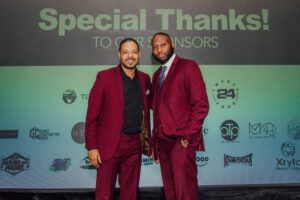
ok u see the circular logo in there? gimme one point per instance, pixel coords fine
(225, 93)
(294, 129)
(288, 149)
(78, 133)
(229, 130)
(69, 96)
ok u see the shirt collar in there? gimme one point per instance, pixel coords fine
(124, 75)
(169, 63)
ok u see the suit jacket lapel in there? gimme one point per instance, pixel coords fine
(143, 88)
(155, 86)
(119, 86)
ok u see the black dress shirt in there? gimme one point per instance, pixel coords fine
(133, 104)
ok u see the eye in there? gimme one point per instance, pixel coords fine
(163, 44)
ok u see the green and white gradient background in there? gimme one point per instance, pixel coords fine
(32, 97)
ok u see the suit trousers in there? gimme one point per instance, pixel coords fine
(126, 164)
(179, 170)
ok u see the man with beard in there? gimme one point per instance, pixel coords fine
(118, 102)
(180, 105)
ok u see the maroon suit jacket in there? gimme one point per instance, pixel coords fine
(183, 103)
(105, 113)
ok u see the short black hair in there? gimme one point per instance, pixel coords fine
(129, 40)
(161, 33)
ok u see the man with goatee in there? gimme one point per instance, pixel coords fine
(118, 101)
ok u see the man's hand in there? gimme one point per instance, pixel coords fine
(94, 157)
(156, 161)
(184, 143)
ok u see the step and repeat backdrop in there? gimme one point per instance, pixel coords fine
(248, 52)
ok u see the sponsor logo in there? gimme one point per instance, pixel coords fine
(205, 131)
(262, 131)
(288, 161)
(288, 149)
(147, 161)
(60, 164)
(225, 94)
(86, 164)
(78, 133)
(201, 161)
(230, 130)
(15, 163)
(294, 129)
(69, 96)
(244, 160)
(84, 97)
(8, 134)
(41, 134)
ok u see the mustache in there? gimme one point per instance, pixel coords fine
(128, 59)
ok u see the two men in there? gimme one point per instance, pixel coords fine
(118, 102)
(180, 105)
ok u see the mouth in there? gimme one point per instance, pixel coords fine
(162, 56)
(130, 61)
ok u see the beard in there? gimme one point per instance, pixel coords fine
(162, 61)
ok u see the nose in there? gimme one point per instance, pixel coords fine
(130, 54)
(159, 48)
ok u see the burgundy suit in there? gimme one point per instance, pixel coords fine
(104, 124)
(179, 109)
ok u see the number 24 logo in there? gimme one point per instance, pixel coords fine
(225, 93)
